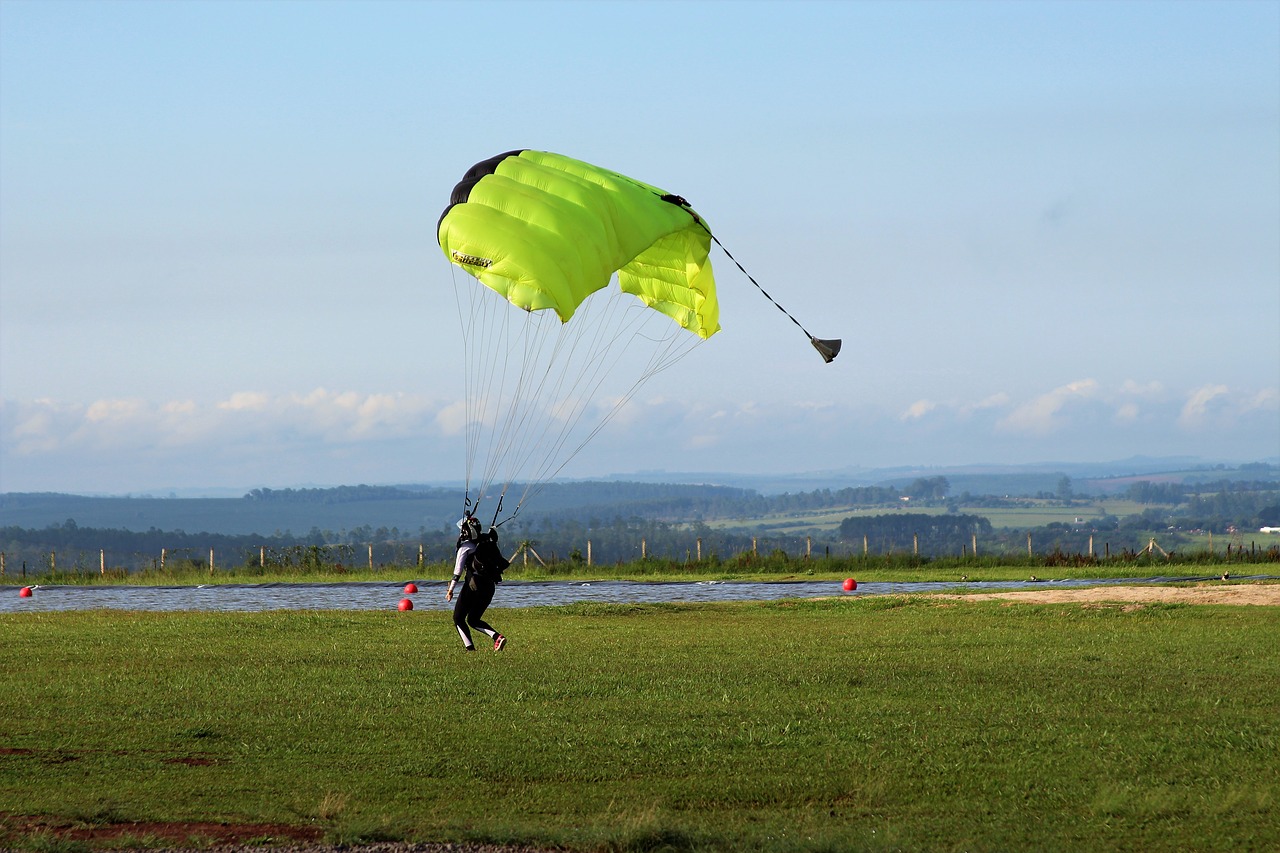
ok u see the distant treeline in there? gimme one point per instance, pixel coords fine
(334, 495)
(68, 546)
(645, 500)
(1195, 494)
(930, 534)
(688, 503)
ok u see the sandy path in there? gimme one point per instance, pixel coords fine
(1213, 593)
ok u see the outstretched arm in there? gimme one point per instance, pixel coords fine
(465, 551)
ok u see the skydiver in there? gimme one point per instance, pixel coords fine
(478, 564)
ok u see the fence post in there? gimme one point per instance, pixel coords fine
(1210, 543)
(1029, 543)
(1, 564)
(420, 555)
(808, 547)
(102, 561)
(915, 544)
(210, 562)
(865, 544)
(699, 549)
(162, 550)
(1090, 544)
(588, 552)
(371, 556)
(262, 556)
(644, 549)
(753, 548)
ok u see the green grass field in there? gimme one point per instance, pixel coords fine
(875, 724)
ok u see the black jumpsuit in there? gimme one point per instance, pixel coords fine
(474, 598)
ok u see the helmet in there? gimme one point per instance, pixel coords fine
(470, 527)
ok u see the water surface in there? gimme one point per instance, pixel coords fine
(386, 596)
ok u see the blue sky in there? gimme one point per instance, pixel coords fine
(1045, 232)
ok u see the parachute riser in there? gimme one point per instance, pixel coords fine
(498, 509)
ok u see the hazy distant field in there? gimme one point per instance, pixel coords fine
(1039, 514)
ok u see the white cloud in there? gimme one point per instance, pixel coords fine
(46, 426)
(1127, 413)
(1044, 414)
(701, 442)
(1266, 400)
(245, 401)
(452, 419)
(1218, 408)
(253, 438)
(1201, 404)
(114, 411)
(918, 410)
(34, 431)
(1133, 399)
(1133, 388)
(993, 401)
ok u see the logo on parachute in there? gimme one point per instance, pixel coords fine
(471, 260)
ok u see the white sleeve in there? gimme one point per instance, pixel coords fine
(460, 561)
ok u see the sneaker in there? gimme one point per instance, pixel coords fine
(498, 642)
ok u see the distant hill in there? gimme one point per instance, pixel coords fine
(337, 510)
(411, 509)
(406, 509)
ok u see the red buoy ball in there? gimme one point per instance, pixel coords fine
(406, 604)
(25, 592)
(850, 584)
(410, 588)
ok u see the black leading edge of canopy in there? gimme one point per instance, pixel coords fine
(462, 189)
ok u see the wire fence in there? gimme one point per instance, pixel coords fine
(759, 553)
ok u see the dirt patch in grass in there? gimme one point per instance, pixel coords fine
(214, 837)
(156, 833)
(1265, 594)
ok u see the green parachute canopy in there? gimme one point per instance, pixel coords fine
(546, 231)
